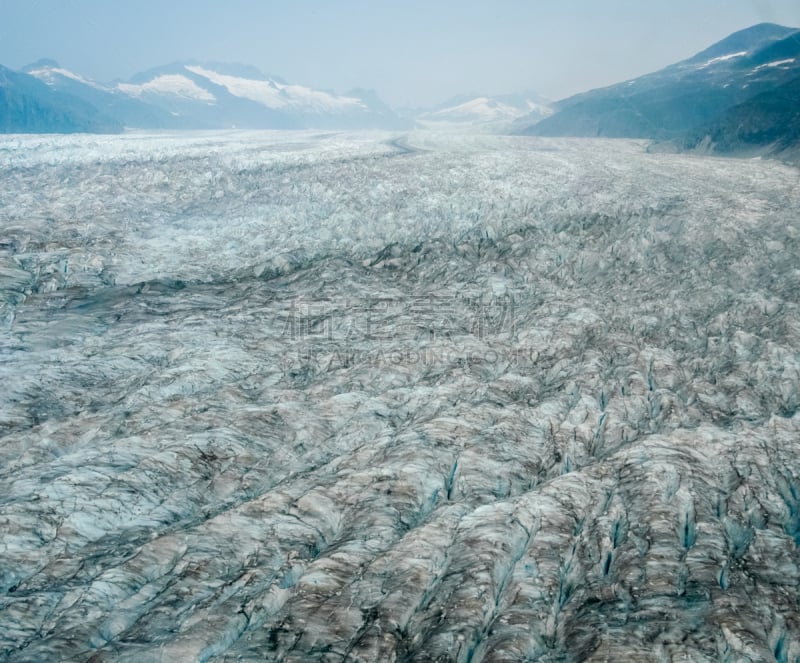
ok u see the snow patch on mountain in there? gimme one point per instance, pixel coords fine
(170, 84)
(777, 63)
(482, 107)
(47, 75)
(722, 58)
(276, 95)
(483, 111)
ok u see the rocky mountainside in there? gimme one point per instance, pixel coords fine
(748, 74)
(769, 124)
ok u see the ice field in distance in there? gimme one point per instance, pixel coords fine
(303, 396)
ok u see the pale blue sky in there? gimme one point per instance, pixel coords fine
(412, 52)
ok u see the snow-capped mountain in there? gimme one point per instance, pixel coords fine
(228, 95)
(687, 96)
(109, 100)
(29, 106)
(194, 95)
(484, 111)
(200, 101)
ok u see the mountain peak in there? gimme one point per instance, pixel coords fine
(494, 113)
(44, 63)
(750, 39)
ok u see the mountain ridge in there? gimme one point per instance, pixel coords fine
(689, 97)
(193, 94)
(494, 113)
(721, 97)
(28, 105)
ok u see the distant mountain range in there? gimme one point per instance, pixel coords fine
(187, 95)
(498, 113)
(741, 96)
(45, 97)
(738, 96)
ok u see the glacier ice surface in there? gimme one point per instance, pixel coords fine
(307, 396)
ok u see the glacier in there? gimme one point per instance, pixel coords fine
(306, 396)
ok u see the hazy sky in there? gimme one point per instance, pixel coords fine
(412, 52)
